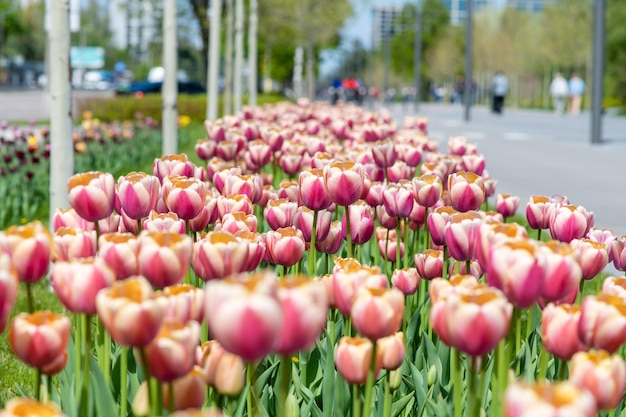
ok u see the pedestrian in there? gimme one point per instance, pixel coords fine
(499, 88)
(576, 91)
(559, 90)
(459, 90)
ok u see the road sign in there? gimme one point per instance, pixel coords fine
(87, 57)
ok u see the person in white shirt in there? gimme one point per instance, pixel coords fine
(559, 91)
(500, 88)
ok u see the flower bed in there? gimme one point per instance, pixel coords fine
(320, 261)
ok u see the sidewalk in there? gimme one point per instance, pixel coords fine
(533, 152)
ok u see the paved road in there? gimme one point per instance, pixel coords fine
(537, 153)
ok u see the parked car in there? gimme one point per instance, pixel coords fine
(148, 87)
(98, 80)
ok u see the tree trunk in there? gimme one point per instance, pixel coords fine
(214, 61)
(228, 71)
(252, 52)
(237, 82)
(267, 69)
(297, 73)
(200, 11)
(310, 71)
(61, 146)
(170, 82)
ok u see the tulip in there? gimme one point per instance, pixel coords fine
(280, 213)
(398, 200)
(305, 310)
(389, 248)
(170, 355)
(361, 222)
(602, 322)
(233, 203)
(303, 221)
(238, 221)
(92, 195)
(353, 357)
(130, 312)
(8, 288)
(69, 218)
(569, 222)
(72, 243)
(392, 350)
(384, 153)
(189, 394)
(332, 243)
(256, 248)
(429, 264)
(249, 185)
(593, 256)
(491, 233)
(205, 149)
(184, 196)
(437, 221)
(385, 220)
(411, 154)
(507, 204)
(559, 330)
(119, 251)
(173, 165)
(220, 174)
(244, 314)
(258, 154)
(77, 282)
(348, 276)
(406, 280)
(164, 257)
(222, 370)
(473, 163)
(218, 255)
(30, 249)
(138, 193)
(548, 399)
(344, 182)
(27, 407)
(39, 338)
(164, 222)
(285, 246)
(462, 267)
(538, 212)
(377, 312)
(606, 236)
(312, 190)
(517, 268)
(618, 252)
(615, 286)
(562, 270)
(601, 374)
(461, 234)
(182, 303)
(427, 189)
(467, 191)
(477, 320)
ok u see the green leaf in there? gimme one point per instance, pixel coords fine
(328, 386)
(100, 390)
(404, 402)
(418, 385)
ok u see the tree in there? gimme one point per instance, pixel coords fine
(615, 52)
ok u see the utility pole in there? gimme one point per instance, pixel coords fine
(417, 65)
(214, 60)
(169, 90)
(252, 52)
(597, 91)
(469, 33)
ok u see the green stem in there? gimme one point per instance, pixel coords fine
(397, 246)
(388, 263)
(84, 400)
(331, 327)
(100, 344)
(518, 339)
(283, 272)
(285, 384)
(444, 273)
(455, 370)
(581, 290)
(471, 389)
(170, 387)
(139, 226)
(369, 385)
(157, 396)
(481, 386)
(406, 243)
(250, 380)
(147, 379)
(123, 381)
(502, 377)
(387, 400)
(348, 231)
(539, 234)
(37, 382)
(50, 388)
(543, 363)
(79, 352)
(426, 232)
(356, 401)
(312, 246)
(529, 321)
(29, 294)
(562, 370)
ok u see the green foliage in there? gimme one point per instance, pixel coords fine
(615, 52)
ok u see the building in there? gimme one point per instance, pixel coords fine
(133, 25)
(458, 8)
(385, 23)
(531, 6)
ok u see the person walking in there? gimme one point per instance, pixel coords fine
(559, 90)
(500, 88)
(576, 91)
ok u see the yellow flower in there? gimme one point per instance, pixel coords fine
(87, 115)
(184, 120)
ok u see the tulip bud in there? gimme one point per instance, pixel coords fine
(432, 375)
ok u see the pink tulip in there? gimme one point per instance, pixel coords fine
(606, 236)
(559, 330)
(288, 189)
(603, 322)
(248, 185)
(232, 204)
(237, 221)
(222, 370)
(601, 374)
(377, 312)
(615, 286)
(258, 154)
(166, 222)
(348, 276)
(8, 288)
(182, 303)
(305, 310)
(303, 221)
(222, 173)
(473, 163)
(312, 190)
(184, 196)
(170, 355)
(77, 282)
(491, 233)
(130, 312)
(173, 165)
(538, 211)
(30, 249)
(384, 153)
(384, 219)
(467, 191)
(562, 270)
(256, 248)
(429, 264)
(205, 149)
(461, 234)
(507, 204)
(39, 338)
(569, 222)
(230, 148)
(392, 350)
(72, 243)
(280, 213)
(593, 256)
(244, 314)
(388, 248)
(70, 218)
(618, 253)
(218, 255)
(164, 257)
(119, 251)
(437, 221)
(92, 195)
(333, 241)
(138, 194)
(361, 222)
(17, 407)
(411, 154)
(554, 399)
(285, 246)
(461, 266)
(398, 200)
(427, 189)
(344, 182)
(353, 357)
(406, 280)
(517, 268)
(375, 194)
